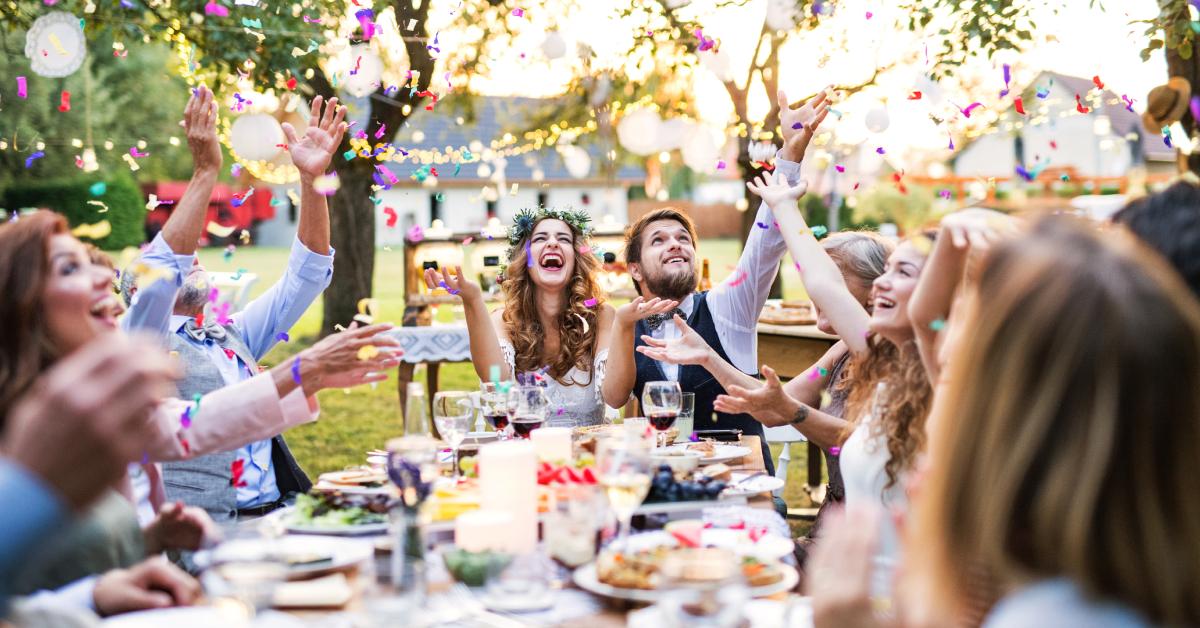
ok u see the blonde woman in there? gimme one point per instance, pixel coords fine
(1062, 467)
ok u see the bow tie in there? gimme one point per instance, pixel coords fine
(654, 321)
(210, 330)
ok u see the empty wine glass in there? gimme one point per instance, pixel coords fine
(452, 414)
(661, 402)
(529, 406)
(623, 462)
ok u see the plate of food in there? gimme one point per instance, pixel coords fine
(360, 480)
(306, 557)
(635, 576)
(712, 452)
(338, 513)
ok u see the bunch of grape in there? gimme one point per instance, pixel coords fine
(665, 488)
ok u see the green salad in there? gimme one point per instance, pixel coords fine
(336, 510)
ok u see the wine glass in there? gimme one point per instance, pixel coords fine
(494, 402)
(529, 406)
(452, 414)
(623, 465)
(661, 402)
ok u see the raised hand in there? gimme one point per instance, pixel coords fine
(800, 124)
(639, 308)
(775, 190)
(200, 122)
(768, 404)
(359, 355)
(977, 227)
(312, 152)
(456, 283)
(688, 348)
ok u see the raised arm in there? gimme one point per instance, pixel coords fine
(822, 279)
(929, 308)
(186, 224)
(620, 374)
(772, 406)
(311, 154)
(481, 329)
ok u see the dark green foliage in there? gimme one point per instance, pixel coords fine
(126, 209)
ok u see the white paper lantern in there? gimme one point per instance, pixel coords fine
(781, 14)
(719, 63)
(577, 161)
(877, 120)
(637, 131)
(368, 74)
(670, 134)
(554, 45)
(700, 150)
(256, 137)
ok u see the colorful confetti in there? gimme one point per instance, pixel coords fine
(296, 371)
(283, 336)
(1019, 106)
(22, 88)
(33, 157)
(1080, 107)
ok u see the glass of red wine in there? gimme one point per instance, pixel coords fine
(494, 402)
(528, 405)
(661, 402)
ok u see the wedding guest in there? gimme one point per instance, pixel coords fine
(68, 438)
(554, 322)
(58, 302)
(219, 348)
(1058, 467)
(1169, 221)
(660, 249)
(151, 584)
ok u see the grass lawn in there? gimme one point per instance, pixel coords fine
(364, 418)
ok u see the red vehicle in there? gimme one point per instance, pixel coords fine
(226, 207)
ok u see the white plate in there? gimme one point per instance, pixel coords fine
(200, 617)
(760, 484)
(343, 553)
(586, 579)
(359, 530)
(768, 548)
(721, 453)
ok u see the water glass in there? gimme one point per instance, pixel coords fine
(687, 417)
(452, 414)
(246, 568)
(661, 402)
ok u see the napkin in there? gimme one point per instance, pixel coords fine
(329, 592)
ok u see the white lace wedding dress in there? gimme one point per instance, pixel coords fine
(576, 405)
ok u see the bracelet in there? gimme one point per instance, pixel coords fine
(801, 414)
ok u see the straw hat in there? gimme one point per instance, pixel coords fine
(1166, 104)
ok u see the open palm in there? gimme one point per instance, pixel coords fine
(688, 348)
(312, 152)
(801, 123)
(776, 191)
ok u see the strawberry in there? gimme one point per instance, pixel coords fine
(573, 476)
(588, 476)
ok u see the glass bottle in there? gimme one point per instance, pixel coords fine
(416, 411)
(705, 280)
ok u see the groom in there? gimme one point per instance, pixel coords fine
(660, 250)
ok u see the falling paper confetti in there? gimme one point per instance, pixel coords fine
(1020, 106)
(366, 311)
(22, 88)
(33, 157)
(219, 230)
(95, 231)
(415, 234)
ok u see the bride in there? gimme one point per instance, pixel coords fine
(554, 327)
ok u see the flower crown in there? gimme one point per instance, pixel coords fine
(525, 220)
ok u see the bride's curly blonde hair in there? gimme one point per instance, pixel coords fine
(576, 324)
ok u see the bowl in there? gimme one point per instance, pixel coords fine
(681, 461)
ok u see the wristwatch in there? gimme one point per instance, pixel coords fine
(801, 414)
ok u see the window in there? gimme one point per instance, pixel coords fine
(435, 207)
(543, 199)
(492, 207)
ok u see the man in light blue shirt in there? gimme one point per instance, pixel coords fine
(218, 348)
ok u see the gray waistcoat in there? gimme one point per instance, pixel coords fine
(204, 481)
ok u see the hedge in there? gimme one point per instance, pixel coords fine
(69, 197)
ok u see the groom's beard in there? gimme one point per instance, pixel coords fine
(673, 286)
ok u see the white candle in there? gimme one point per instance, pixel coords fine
(552, 444)
(508, 483)
(477, 530)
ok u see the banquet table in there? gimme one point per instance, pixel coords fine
(572, 606)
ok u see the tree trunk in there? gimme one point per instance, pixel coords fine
(1188, 69)
(352, 218)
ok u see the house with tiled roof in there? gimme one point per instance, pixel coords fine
(1107, 141)
(464, 170)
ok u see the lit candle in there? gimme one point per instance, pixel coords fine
(552, 444)
(508, 483)
(476, 531)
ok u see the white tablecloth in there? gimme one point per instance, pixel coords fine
(434, 343)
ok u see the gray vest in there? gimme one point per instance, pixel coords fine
(205, 481)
